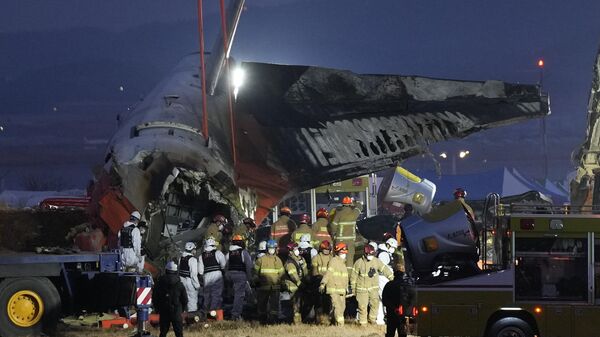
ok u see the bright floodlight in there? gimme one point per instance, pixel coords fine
(541, 63)
(238, 75)
(444, 155)
(463, 154)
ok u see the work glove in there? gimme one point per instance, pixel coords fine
(372, 272)
(349, 290)
(322, 289)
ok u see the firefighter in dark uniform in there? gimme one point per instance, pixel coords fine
(170, 299)
(398, 298)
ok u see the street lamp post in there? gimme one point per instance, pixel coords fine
(461, 155)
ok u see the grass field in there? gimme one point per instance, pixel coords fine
(243, 329)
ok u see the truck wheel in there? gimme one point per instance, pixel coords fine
(510, 327)
(28, 306)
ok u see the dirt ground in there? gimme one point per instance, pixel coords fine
(243, 329)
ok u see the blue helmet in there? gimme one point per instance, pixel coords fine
(271, 244)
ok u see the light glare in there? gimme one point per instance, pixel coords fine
(237, 77)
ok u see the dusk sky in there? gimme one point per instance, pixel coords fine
(63, 63)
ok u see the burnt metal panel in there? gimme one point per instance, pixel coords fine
(319, 125)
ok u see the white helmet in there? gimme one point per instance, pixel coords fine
(262, 245)
(210, 242)
(136, 215)
(304, 244)
(392, 242)
(171, 266)
(189, 246)
(373, 244)
(305, 238)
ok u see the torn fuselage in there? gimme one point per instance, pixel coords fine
(291, 128)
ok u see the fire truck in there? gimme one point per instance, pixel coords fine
(524, 271)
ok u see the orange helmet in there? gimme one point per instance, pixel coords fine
(304, 218)
(322, 213)
(325, 245)
(285, 211)
(341, 248)
(347, 201)
(237, 237)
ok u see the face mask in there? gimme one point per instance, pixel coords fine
(326, 252)
(220, 227)
(296, 252)
(392, 250)
(343, 256)
(369, 257)
(271, 251)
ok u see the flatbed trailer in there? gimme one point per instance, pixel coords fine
(37, 289)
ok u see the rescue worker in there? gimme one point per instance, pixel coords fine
(215, 229)
(398, 299)
(281, 231)
(248, 231)
(319, 268)
(130, 244)
(210, 267)
(460, 194)
(306, 250)
(170, 299)
(268, 271)
(296, 272)
(303, 229)
(239, 271)
(343, 226)
(364, 281)
(261, 250)
(320, 228)
(387, 250)
(311, 287)
(188, 274)
(385, 254)
(335, 283)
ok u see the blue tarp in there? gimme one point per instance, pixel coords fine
(504, 181)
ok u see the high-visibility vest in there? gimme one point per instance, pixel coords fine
(321, 232)
(364, 277)
(336, 277)
(268, 269)
(319, 264)
(184, 266)
(304, 229)
(344, 223)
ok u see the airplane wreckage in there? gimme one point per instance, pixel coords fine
(288, 129)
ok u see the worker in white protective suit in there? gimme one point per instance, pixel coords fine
(210, 268)
(188, 274)
(239, 271)
(130, 244)
(385, 254)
